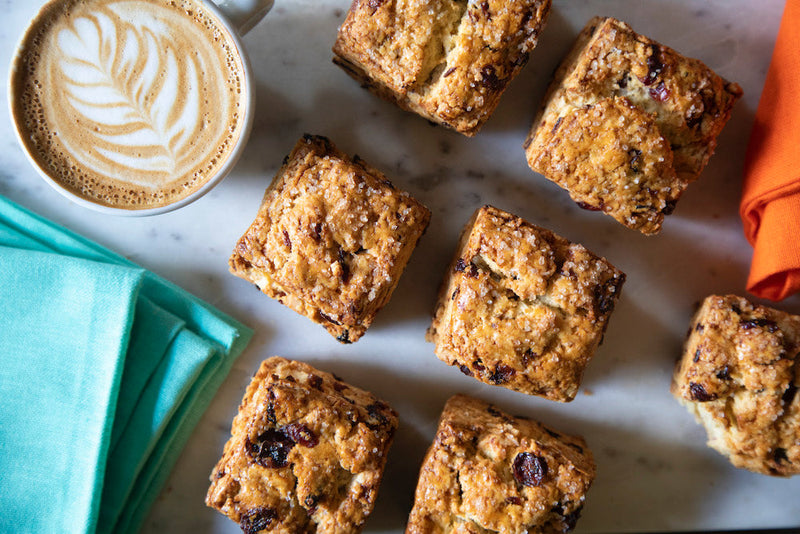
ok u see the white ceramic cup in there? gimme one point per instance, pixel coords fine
(237, 17)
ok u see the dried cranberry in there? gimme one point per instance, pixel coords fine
(528, 356)
(605, 294)
(485, 9)
(316, 231)
(635, 156)
(709, 107)
(377, 419)
(490, 79)
(724, 373)
(749, 324)
(342, 259)
(464, 369)
(271, 407)
(502, 374)
(257, 519)
(344, 337)
(301, 434)
(310, 503)
(270, 449)
(694, 119)
(514, 500)
(460, 265)
(669, 206)
(699, 393)
(287, 241)
(523, 58)
(654, 66)
(589, 207)
(571, 518)
(315, 381)
(529, 469)
(659, 92)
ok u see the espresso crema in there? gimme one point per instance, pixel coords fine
(129, 103)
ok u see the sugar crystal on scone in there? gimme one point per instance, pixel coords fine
(488, 471)
(448, 61)
(331, 238)
(306, 453)
(521, 307)
(739, 375)
(628, 123)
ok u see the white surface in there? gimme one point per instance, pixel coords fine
(654, 470)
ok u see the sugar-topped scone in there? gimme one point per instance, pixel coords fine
(331, 238)
(448, 61)
(487, 471)
(628, 124)
(306, 453)
(521, 307)
(739, 375)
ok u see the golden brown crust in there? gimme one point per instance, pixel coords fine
(637, 185)
(306, 453)
(447, 61)
(522, 307)
(489, 472)
(331, 238)
(679, 100)
(739, 375)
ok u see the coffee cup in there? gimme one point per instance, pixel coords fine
(134, 107)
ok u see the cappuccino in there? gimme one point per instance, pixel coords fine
(132, 104)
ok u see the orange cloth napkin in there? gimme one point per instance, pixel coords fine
(770, 207)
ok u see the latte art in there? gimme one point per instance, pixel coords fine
(130, 103)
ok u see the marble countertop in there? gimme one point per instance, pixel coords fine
(655, 472)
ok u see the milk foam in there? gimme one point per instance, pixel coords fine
(131, 98)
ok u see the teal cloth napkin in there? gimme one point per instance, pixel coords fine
(105, 369)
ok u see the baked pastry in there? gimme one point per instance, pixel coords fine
(521, 307)
(628, 123)
(306, 453)
(487, 471)
(331, 238)
(447, 61)
(739, 375)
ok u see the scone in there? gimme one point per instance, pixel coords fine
(628, 124)
(521, 307)
(306, 453)
(331, 238)
(487, 471)
(739, 375)
(448, 61)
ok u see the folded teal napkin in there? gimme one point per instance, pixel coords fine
(105, 369)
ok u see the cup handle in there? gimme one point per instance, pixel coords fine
(244, 14)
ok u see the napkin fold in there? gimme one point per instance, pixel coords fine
(770, 206)
(105, 369)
